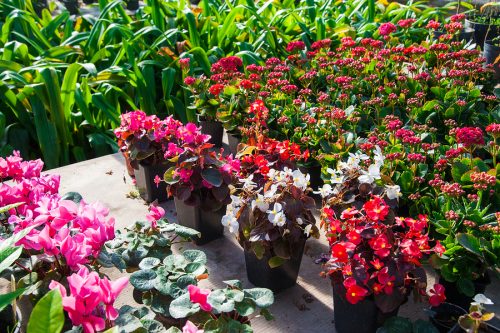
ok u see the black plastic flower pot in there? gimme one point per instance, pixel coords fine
(314, 172)
(71, 6)
(233, 141)
(454, 296)
(445, 317)
(491, 53)
(145, 176)
(482, 31)
(88, 2)
(208, 223)
(133, 4)
(362, 317)
(260, 274)
(214, 129)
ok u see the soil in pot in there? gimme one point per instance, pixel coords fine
(445, 316)
(208, 223)
(454, 296)
(279, 278)
(146, 186)
(233, 141)
(362, 317)
(214, 129)
(492, 53)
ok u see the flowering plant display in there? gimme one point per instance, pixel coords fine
(201, 176)
(374, 254)
(477, 316)
(273, 217)
(143, 137)
(58, 242)
(223, 310)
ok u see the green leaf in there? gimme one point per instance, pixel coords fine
(212, 176)
(47, 315)
(143, 280)
(398, 325)
(148, 263)
(262, 297)
(195, 256)
(245, 308)
(470, 243)
(6, 299)
(457, 170)
(466, 287)
(276, 262)
(8, 256)
(422, 326)
(182, 307)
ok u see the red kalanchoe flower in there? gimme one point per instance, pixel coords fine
(295, 46)
(376, 209)
(493, 129)
(469, 136)
(387, 28)
(216, 89)
(437, 295)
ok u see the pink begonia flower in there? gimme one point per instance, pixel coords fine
(173, 150)
(200, 296)
(88, 294)
(191, 328)
(155, 213)
(183, 174)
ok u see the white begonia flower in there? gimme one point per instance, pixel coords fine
(271, 191)
(392, 191)
(370, 175)
(287, 172)
(248, 183)
(481, 299)
(379, 158)
(230, 222)
(324, 191)
(260, 203)
(307, 229)
(273, 174)
(300, 221)
(276, 215)
(300, 180)
(236, 201)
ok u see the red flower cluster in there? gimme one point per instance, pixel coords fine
(372, 255)
(387, 28)
(469, 136)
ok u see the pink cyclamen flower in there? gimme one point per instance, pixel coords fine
(387, 28)
(155, 213)
(200, 296)
(191, 328)
(109, 293)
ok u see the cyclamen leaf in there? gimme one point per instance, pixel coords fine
(143, 280)
(262, 297)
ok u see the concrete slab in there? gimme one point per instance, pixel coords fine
(307, 307)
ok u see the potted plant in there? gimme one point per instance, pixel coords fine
(476, 320)
(55, 243)
(272, 220)
(199, 182)
(492, 54)
(375, 256)
(222, 310)
(486, 23)
(141, 139)
(445, 316)
(207, 95)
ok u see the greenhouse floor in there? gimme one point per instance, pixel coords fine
(307, 307)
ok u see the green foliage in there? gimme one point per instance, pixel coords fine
(404, 325)
(47, 315)
(64, 80)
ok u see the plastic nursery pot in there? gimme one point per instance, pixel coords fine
(214, 129)
(88, 2)
(314, 172)
(233, 140)
(71, 6)
(208, 223)
(144, 178)
(491, 53)
(445, 317)
(279, 278)
(454, 296)
(132, 4)
(128, 164)
(480, 31)
(362, 317)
